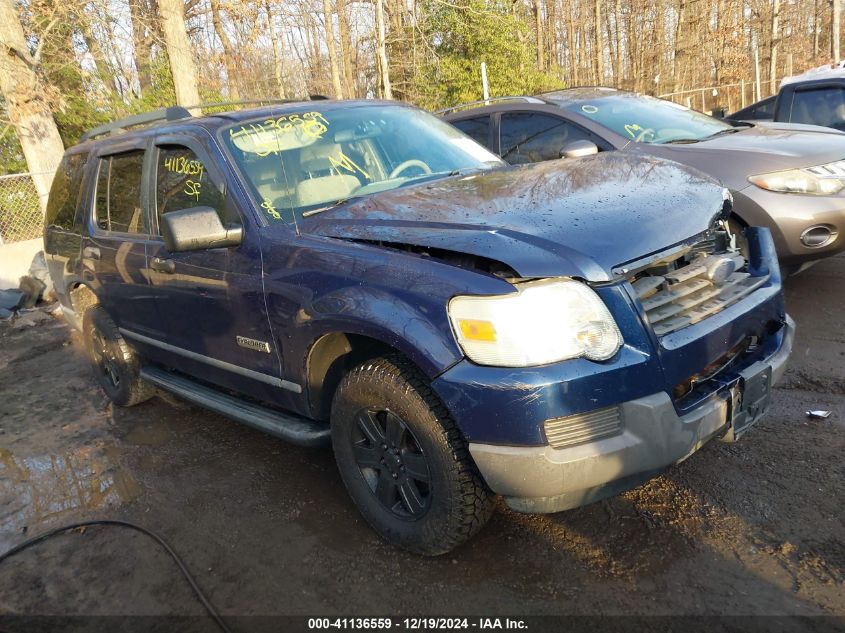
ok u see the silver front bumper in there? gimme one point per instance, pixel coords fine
(544, 479)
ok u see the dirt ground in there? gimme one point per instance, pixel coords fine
(752, 528)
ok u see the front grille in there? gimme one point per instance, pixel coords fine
(692, 285)
(583, 427)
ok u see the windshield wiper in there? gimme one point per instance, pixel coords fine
(730, 130)
(687, 141)
(333, 205)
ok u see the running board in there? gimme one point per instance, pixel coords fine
(289, 427)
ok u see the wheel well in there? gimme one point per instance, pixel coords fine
(330, 358)
(82, 298)
(735, 216)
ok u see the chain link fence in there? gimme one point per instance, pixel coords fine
(727, 97)
(20, 212)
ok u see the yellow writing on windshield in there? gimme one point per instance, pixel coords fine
(344, 162)
(270, 209)
(634, 129)
(267, 137)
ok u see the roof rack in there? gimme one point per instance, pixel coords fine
(225, 104)
(173, 113)
(484, 102)
(177, 113)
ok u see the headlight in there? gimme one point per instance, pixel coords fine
(800, 181)
(543, 322)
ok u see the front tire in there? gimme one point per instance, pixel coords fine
(403, 460)
(116, 366)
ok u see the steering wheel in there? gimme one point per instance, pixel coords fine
(640, 136)
(407, 164)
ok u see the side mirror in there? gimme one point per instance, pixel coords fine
(577, 149)
(197, 228)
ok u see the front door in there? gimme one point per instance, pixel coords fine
(212, 301)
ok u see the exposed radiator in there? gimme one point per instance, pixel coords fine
(693, 286)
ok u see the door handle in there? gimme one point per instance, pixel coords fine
(91, 252)
(167, 266)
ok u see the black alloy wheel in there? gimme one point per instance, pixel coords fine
(392, 462)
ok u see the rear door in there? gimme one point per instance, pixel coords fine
(114, 252)
(211, 301)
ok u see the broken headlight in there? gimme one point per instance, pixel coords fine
(542, 322)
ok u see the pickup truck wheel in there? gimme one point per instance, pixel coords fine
(403, 460)
(116, 367)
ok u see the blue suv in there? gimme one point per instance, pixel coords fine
(364, 274)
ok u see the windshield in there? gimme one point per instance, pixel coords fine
(649, 120)
(306, 161)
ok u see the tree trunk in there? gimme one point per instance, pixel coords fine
(834, 32)
(614, 66)
(228, 52)
(277, 57)
(538, 34)
(179, 52)
(599, 52)
(572, 53)
(335, 67)
(26, 101)
(617, 69)
(345, 49)
(773, 56)
(384, 69)
(679, 47)
(139, 15)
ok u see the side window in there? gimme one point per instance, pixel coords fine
(118, 203)
(530, 138)
(182, 182)
(477, 128)
(823, 106)
(64, 194)
(765, 110)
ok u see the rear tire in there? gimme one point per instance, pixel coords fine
(116, 366)
(403, 460)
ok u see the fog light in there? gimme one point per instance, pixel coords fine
(818, 236)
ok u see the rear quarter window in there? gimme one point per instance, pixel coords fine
(64, 194)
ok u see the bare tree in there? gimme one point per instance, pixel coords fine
(335, 67)
(228, 51)
(25, 92)
(179, 52)
(384, 69)
(773, 56)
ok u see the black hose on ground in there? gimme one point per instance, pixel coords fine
(73, 526)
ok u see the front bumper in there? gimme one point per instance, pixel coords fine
(544, 479)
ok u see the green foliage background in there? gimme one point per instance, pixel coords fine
(461, 38)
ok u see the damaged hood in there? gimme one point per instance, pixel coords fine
(577, 217)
